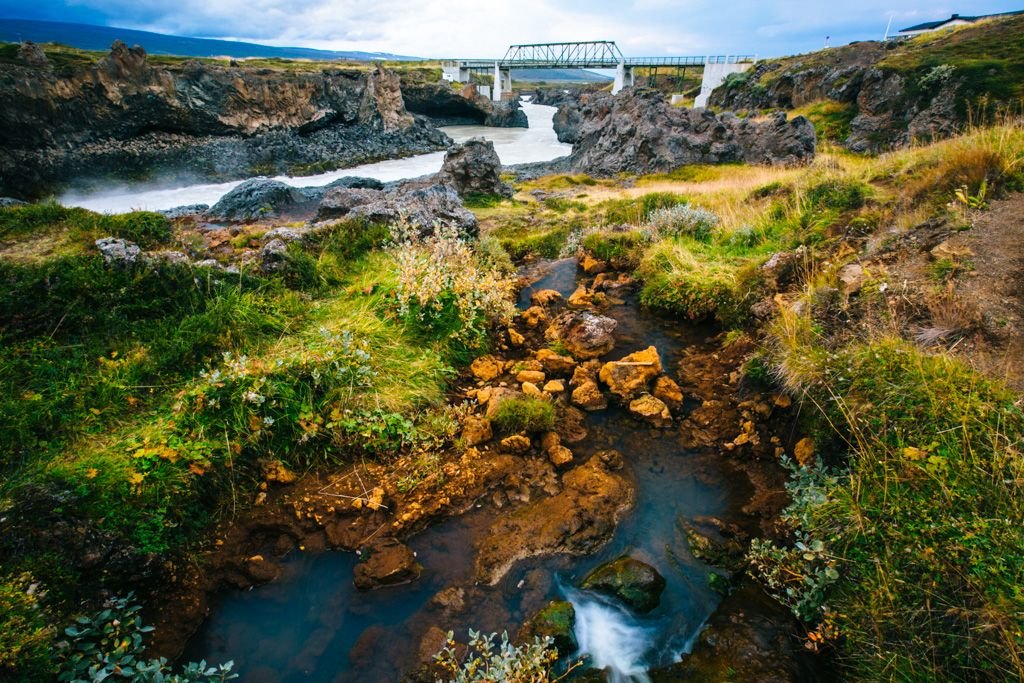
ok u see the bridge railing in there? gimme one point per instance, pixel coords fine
(546, 58)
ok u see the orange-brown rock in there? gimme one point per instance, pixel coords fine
(517, 443)
(486, 368)
(534, 316)
(804, 450)
(476, 430)
(589, 397)
(666, 389)
(545, 297)
(652, 410)
(555, 363)
(593, 266)
(631, 376)
(534, 376)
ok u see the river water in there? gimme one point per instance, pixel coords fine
(312, 625)
(513, 145)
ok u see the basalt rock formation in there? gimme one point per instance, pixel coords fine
(423, 206)
(126, 117)
(637, 131)
(473, 168)
(447, 107)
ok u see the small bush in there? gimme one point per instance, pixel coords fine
(482, 662)
(683, 219)
(524, 415)
(635, 210)
(838, 195)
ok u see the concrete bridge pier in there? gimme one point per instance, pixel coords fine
(502, 82)
(623, 77)
(715, 71)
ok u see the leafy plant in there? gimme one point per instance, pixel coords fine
(683, 219)
(488, 662)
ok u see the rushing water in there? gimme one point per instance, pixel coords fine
(312, 625)
(513, 145)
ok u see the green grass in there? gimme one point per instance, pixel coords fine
(831, 119)
(146, 229)
(524, 415)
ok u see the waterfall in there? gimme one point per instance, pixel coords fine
(613, 638)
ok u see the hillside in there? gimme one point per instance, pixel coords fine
(874, 96)
(91, 37)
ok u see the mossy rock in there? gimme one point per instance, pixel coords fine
(636, 583)
(556, 620)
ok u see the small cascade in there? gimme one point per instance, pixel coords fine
(612, 638)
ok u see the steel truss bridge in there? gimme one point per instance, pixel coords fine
(595, 54)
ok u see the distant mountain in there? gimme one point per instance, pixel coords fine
(577, 75)
(91, 37)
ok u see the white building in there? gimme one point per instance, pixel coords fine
(955, 20)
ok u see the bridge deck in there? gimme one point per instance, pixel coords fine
(631, 62)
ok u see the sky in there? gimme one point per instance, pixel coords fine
(479, 28)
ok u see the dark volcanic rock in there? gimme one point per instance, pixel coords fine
(124, 117)
(10, 201)
(254, 199)
(637, 131)
(183, 211)
(423, 206)
(473, 168)
(33, 55)
(557, 620)
(447, 107)
(636, 583)
(567, 122)
(507, 114)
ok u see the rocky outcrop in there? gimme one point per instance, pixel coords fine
(447, 107)
(126, 117)
(254, 199)
(386, 563)
(474, 168)
(423, 206)
(557, 620)
(566, 122)
(585, 335)
(637, 131)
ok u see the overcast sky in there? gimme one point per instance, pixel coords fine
(481, 28)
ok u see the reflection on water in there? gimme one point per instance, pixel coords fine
(513, 145)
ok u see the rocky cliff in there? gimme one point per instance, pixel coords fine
(886, 95)
(447, 107)
(125, 117)
(638, 131)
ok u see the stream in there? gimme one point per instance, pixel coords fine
(313, 625)
(513, 145)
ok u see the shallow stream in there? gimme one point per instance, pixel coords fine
(312, 625)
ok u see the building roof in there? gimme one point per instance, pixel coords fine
(929, 25)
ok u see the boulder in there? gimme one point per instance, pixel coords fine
(424, 207)
(254, 199)
(388, 563)
(118, 252)
(630, 377)
(33, 55)
(486, 368)
(476, 430)
(666, 389)
(554, 363)
(635, 583)
(652, 410)
(473, 168)
(556, 620)
(532, 376)
(589, 397)
(584, 334)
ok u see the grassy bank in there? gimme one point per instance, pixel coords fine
(142, 402)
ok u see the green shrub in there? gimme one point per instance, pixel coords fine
(486, 662)
(25, 636)
(614, 245)
(524, 414)
(838, 195)
(635, 210)
(683, 219)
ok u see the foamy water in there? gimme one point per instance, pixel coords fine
(513, 145)
(613, 638)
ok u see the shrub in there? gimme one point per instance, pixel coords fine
(524, 414)
(838, 195)
(444, 287)
(635, 210)
(683, 219)
(24, 634)
(108, 645)
(508, 663)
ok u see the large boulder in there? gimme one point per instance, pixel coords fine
(473, 168)
(424, 207)
(584, 334)
(567, 122)
(637, 131)
(254, 199)
(636, 583)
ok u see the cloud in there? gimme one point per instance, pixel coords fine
(468, 28)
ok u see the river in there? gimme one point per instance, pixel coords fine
(513, 145)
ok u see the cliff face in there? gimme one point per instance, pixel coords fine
(446, 107)
(897, 92)
(125, 117)
(637, 131)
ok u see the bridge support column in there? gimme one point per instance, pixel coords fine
(715, 72)
(496, 90)
(623, 78)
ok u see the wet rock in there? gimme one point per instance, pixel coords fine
(423, 207)
(555, 363)
(561, 457)
(476, 430)
(432, 642)
(576, 521)
(584, 298)
(589, 397)
(555, 386)
(486, 368)
(258, 570)
(636, 583)
(533, 376)
(556, 620)
(570, 425)
(749, 637)
(584, 334)
(717, 543)
(545, 297)
(593, 266)
(517, 443)
(185, 211)
(474, 168)
(534, 316)
(611, 458)
(118, 252)
(389, 563)
(255, 199)
(652, 410)
(666, 389)
(630, 377)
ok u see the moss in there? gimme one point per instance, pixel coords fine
(524, 414)
(831, 119)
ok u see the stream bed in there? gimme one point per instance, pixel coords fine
(313, 625)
